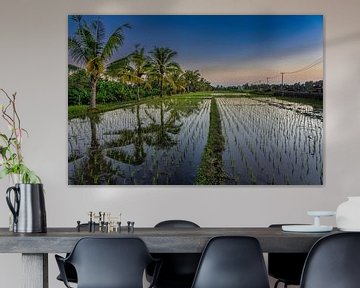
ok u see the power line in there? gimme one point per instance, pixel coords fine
(316, 62)
(307, 67)
(311, 65)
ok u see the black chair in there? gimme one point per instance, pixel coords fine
(108, 263)
(333, 262)
(178, 269)
(286, 267)
(232, 262)
(69, 269)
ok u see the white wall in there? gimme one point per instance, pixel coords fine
(33, 62)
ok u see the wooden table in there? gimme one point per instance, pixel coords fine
(35, 247)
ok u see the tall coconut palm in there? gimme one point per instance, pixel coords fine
(162, 65)
(89, 47)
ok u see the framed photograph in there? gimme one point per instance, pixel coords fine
(195, 100)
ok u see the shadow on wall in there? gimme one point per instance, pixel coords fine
(345, 39)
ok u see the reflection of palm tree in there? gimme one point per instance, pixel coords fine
(159, 135)
(94, 143)
(128, 137)
(94, 169)
(90, 47)
(99, 165)
(140, 154)
(162, 133)
(156, 134)
(163, 65)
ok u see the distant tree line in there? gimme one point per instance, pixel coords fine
(95, 79)
(308, 89)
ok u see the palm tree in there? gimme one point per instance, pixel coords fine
(178, 81)
(131, 69)
(192, 78)
(140, 66)
(90, 48)
(162, 65)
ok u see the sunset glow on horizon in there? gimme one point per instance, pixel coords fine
(229, 49)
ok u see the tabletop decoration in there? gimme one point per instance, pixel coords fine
(348, 214)
(25, 197)
(315, 227)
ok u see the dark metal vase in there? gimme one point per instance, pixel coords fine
(27, 207)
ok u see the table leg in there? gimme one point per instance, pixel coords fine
(35, 270)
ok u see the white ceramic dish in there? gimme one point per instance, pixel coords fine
(321, 213)
(350, 229)
(306, 228)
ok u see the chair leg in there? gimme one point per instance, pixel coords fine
(277, 283)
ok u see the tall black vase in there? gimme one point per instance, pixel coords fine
(27, 207)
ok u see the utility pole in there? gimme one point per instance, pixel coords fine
(282, 83)
(267, 80)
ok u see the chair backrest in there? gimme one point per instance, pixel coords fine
(178, 269)
(232, 262)
(333, 262)
(176, 224)
(110, 262)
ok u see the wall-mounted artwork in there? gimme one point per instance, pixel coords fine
(184, 100)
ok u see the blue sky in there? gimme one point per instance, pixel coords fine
(228, 49)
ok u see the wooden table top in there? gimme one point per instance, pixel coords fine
(158, 240)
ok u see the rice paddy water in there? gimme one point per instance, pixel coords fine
(154, 143)
(267, 141)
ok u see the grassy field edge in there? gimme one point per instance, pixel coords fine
(211, 169)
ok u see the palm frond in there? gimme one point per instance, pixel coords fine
(98, 30)
(173, 66)
(76, 18)
(81, 45)
(114, 68)
(115, 40)
(73, 68)
(88, 42)
(76, 51)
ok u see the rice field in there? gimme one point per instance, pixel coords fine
(154, 143)
(268, 141)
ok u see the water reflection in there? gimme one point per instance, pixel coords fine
(268, 141)
(135, 137)
(159, 142)
(271, 142)
(162, 136)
